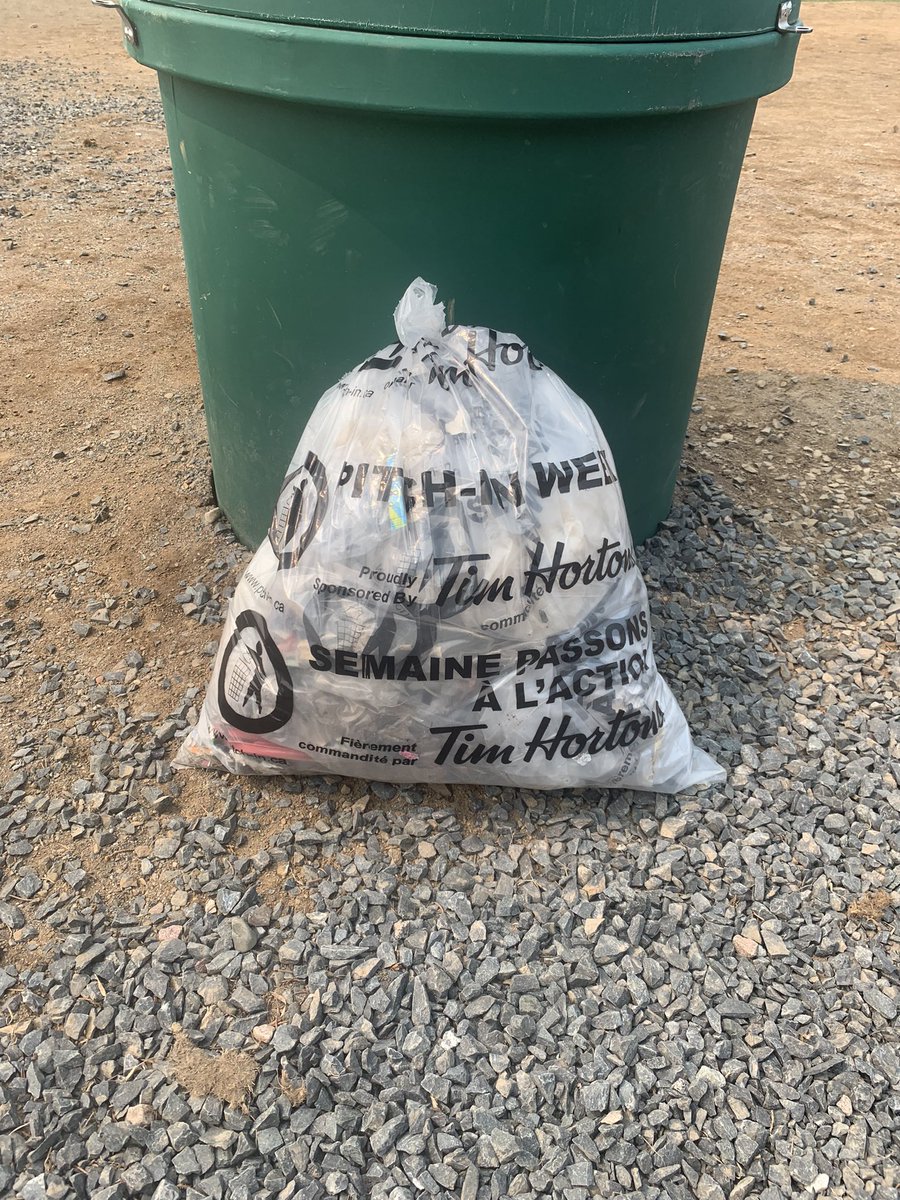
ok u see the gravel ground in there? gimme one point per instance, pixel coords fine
(211, 992)
(512, 995)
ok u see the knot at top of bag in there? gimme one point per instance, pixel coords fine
(417, 316)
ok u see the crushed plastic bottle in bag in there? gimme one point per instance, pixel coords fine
(448, 591)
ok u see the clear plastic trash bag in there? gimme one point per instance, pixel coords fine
(448, 591)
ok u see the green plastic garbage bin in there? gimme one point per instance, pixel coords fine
(562, 171)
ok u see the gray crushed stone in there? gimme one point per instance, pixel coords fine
(594, 994)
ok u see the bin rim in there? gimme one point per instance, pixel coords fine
(455, 77)
(525, 20)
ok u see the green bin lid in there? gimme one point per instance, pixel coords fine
(516, 20)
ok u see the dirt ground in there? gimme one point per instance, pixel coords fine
(102, 440)
(802, 363)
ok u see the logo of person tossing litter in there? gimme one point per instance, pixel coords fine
(254, 685)
(299, 511)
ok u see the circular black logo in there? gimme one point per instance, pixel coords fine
(254, 687)
(299, 511)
